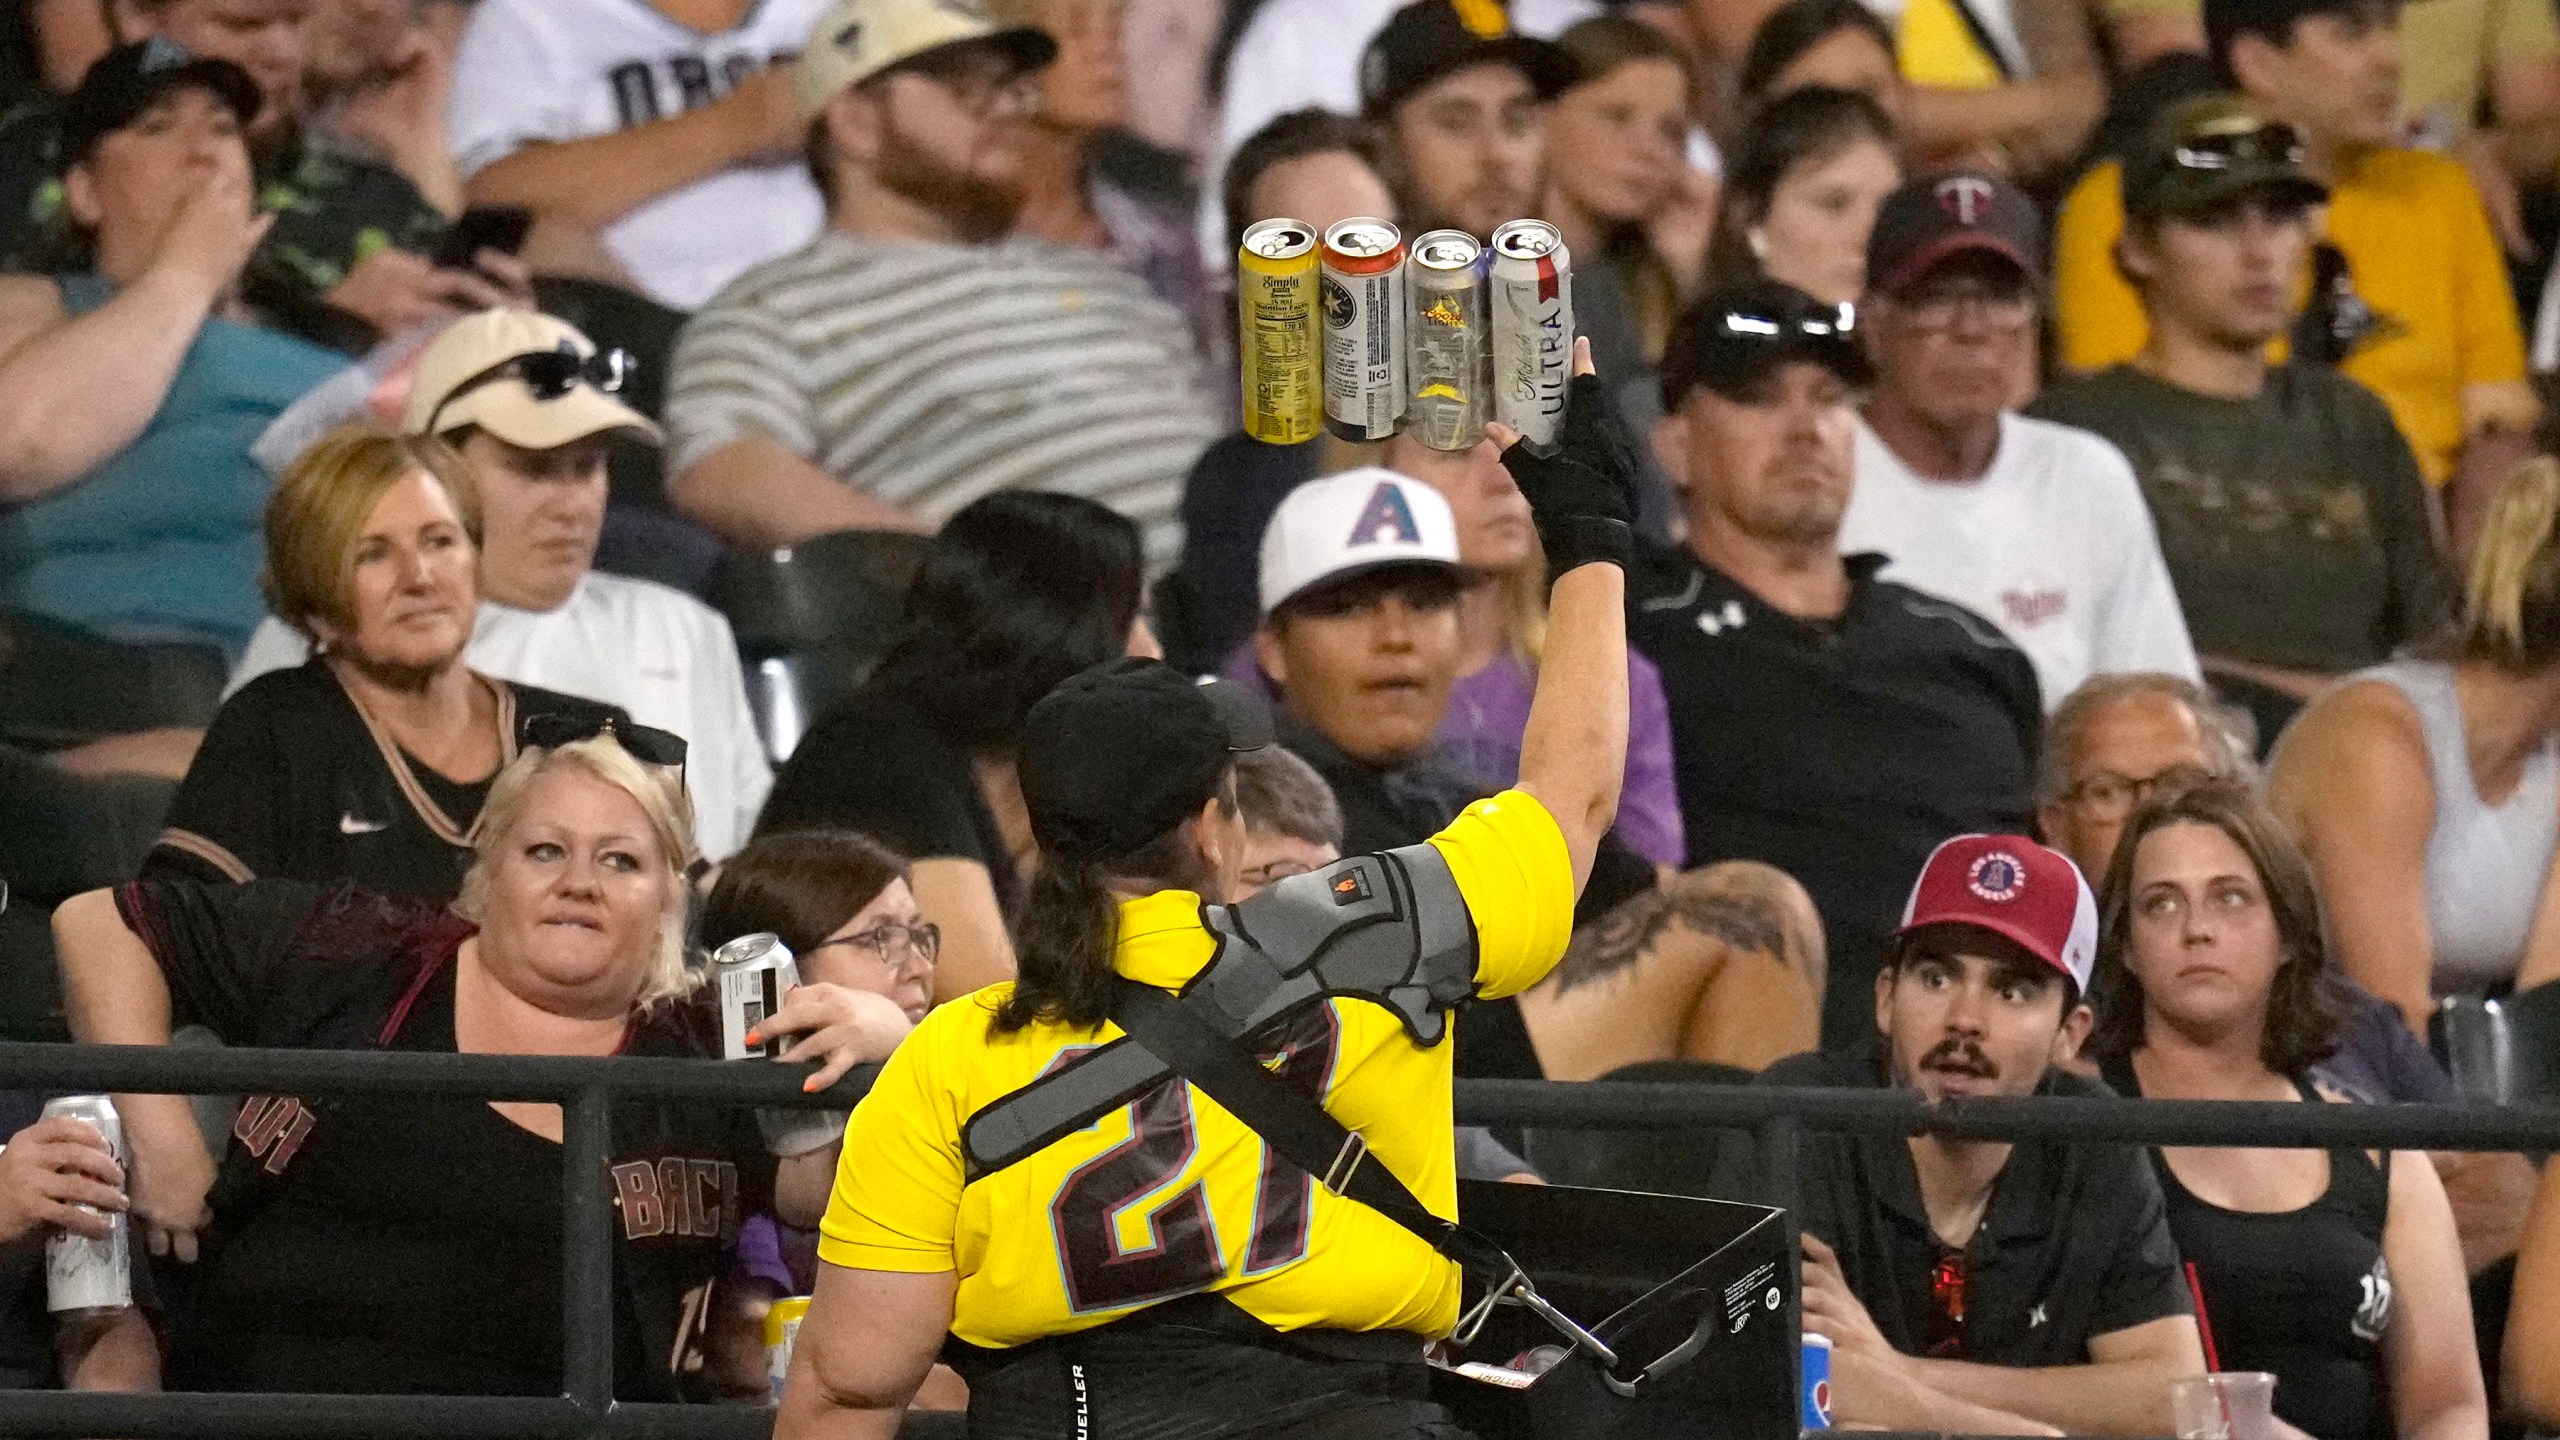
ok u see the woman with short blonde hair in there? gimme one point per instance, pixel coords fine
(371, 761)
(2427, 791)
(412, 1244)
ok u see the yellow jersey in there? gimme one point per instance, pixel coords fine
(2422, 255)
(1170, 1195)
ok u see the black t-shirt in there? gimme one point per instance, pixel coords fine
(2304, 1295)
(875, 765)
(393, 1244)
(1840, 753)
(2294, 524)
(294, 783)
(2074, 1243)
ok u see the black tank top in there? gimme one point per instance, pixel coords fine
(2302, 1294)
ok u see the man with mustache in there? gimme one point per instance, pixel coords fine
(1823, 720)
(1970, 1285)
(913, 357)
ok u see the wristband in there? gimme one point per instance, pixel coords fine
(1573, 541)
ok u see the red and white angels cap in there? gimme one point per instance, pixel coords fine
(2014, 887)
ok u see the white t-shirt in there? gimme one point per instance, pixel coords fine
(666, 658)
(530, 71)
(2053, 544)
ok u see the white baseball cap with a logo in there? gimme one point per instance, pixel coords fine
(1346, 524)
(860, 38)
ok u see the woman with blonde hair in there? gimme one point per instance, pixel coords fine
(371, 761)
(390, 1244)
(2427, 791)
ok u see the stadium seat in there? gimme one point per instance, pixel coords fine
(2501, 1051)
(813, 620)
(1695, 1163)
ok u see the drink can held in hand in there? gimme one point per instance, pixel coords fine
(781, 1332)
(1362, 289)
(1276, 275)
(1815, 1411)
(1532, 281)
(1449, 367)
(752, 973)
(81, 1273)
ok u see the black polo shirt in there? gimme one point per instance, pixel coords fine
(2074, 1244)
(1841, 753)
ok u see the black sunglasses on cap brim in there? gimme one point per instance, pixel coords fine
(2271, 144)
(647, 744)
(549, 374)
(1743, 340)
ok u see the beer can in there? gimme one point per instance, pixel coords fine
(81, 1273)
(1364, 321)
(781, 1332)
(1449, 364)
(752, 973)
(1814, 1413)
(1276, 274)
(1532, 282)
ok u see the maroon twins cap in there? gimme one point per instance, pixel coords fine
(2013, 887)
(1934, 218)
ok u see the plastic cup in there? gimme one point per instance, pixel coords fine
(2234, 1405)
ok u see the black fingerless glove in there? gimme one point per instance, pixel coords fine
(1582, 489)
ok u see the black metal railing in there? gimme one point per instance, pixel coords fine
(587, 1089)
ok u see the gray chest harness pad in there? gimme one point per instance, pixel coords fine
(1390, 928)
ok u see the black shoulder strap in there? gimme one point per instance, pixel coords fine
(1289, 1121)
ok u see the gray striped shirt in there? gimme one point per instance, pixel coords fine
(930, 375)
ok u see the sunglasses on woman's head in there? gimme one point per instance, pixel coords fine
(550, 374)
(2269, 144)
(648, 745)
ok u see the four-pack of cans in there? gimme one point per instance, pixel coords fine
(1357, 332)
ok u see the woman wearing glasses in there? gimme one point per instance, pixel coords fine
(412, 1244)
(842, 905)
(371, 761)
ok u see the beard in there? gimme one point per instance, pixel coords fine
(975, 208)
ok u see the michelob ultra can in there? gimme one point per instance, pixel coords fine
(781, 1332)
(81, 1273)
(1532, 328)
(751, 974)
(1449, 365)
(1276, 273)
(1364, 324)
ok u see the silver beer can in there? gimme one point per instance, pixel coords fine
(1449, 368)
(751, 975)
(1360, 287)
(1532, 277)
(81, 1274)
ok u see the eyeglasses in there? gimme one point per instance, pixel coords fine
(1993, 309)
(648, 745)
(894, 944)
(984, 82)
(1275, 871)
(549, 374)
(2270, 144)
(2110, 796)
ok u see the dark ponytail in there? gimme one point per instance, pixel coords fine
(1071, 921)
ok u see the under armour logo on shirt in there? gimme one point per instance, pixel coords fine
(1716, 622)
(1386, 512)
(2035, 1318)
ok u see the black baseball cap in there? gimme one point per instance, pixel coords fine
(2210, 150)
(130, 78)
(2228, 20)
(1429, 39)
(1736, 335)
(1934, 218)
(1120, 754)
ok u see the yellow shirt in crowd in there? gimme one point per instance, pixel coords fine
(2422, 255)
(1174, 1174)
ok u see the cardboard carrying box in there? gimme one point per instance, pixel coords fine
(1703, 1290)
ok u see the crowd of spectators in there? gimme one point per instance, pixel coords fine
(2094, 623)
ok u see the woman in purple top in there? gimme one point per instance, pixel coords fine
(1502, 626)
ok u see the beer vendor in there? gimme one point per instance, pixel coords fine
(1163, 1269)
(411, 1244)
